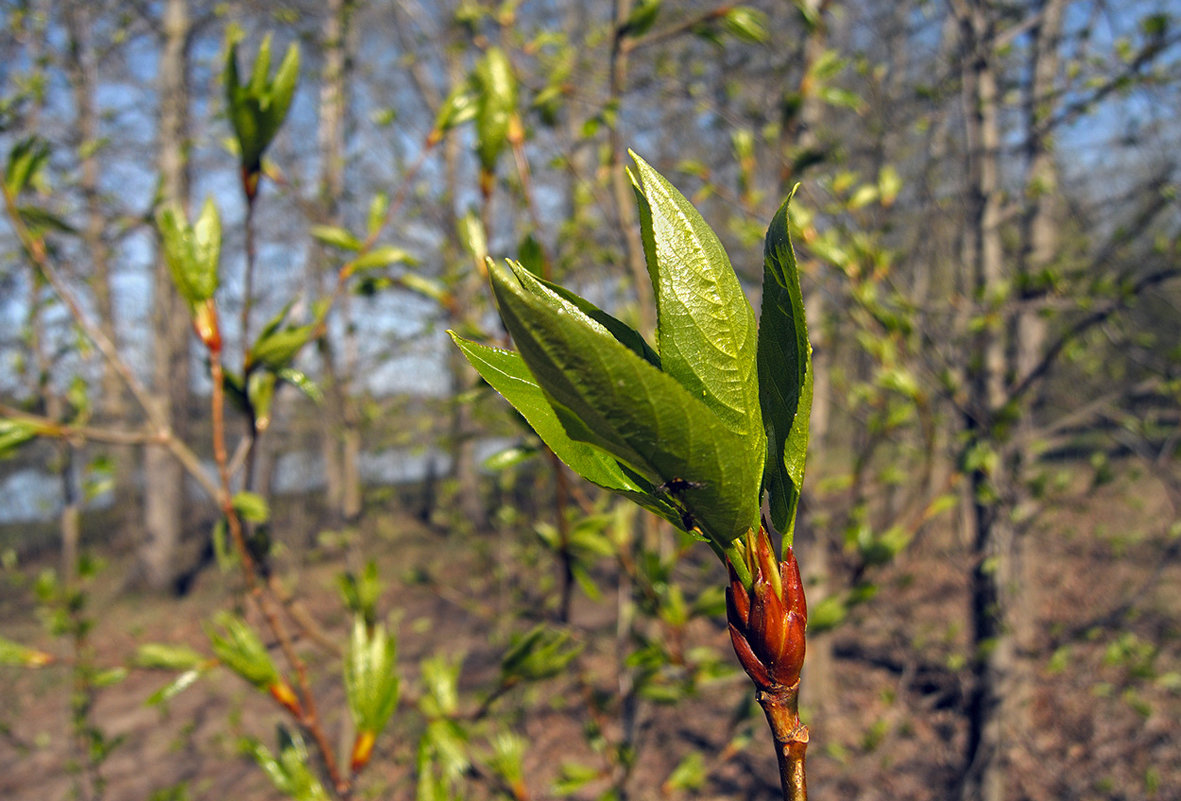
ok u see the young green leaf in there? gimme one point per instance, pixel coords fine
(15, 433)
(239, 648)
(371, 683)
(174, 688)
(382, 256)
(507, 373)
(785, 374)
(538, 654)
(706, 333)
(257, 108)
(25, 161)
(191, 251)
(336, 237)
(290, 771)
(161, 656)
(496, 104)
(605, 394)
(619, 329)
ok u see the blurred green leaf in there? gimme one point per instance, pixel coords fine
(336, 237)
(240, 649)
(496, 104)
(440, 679)
(362, 592)
(689, 774)
(382, 256)
(13, 653)
(252, 507)
(161, 656)
(540, 653)
(641, 19)
(748, 24)
(25, 160)
(460, 106)
(291, 771)
(257, 108)
(174, 688)
(573, 776)
(277, 349)
(14, 433)
(192, 251)
(378, 208)
(371, 683)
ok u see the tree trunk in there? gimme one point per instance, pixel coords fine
(991, 533)
(82, 69)
(164, 484)
(463, 283)
(340, 439)
(1039, 248)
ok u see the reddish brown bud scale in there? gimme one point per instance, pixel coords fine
(767, 622)
(281, 691)
(206, 325)
(362, 750)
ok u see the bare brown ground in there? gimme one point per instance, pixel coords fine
(1103, 712)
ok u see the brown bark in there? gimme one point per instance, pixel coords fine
(164, 485)
(1039, 248)
(991, 531)
(340, 439)
(82, 70)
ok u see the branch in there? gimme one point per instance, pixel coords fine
(628, 44)
(1042, 368)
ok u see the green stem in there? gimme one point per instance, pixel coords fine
(781, 706)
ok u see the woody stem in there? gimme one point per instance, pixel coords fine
(781, 706)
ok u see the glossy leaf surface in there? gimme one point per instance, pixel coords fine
(785, 374)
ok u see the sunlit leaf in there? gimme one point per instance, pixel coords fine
(785, 374)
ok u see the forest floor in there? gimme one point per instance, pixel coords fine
(1104, 665)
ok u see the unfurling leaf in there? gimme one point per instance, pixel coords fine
(785, 374)
(257, 108)
(191, 251)
(291, 771)
(496, 104)
(371, 685)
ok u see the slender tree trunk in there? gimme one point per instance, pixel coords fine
(992, 535)
(464, 285)
(340, 440)
(82, 68)
(620, 186)
(164, 485)
(1039, 248)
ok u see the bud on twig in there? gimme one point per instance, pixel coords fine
(767, 622)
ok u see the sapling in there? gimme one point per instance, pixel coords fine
(696, 429)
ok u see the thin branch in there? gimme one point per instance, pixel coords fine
(1050, 357)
